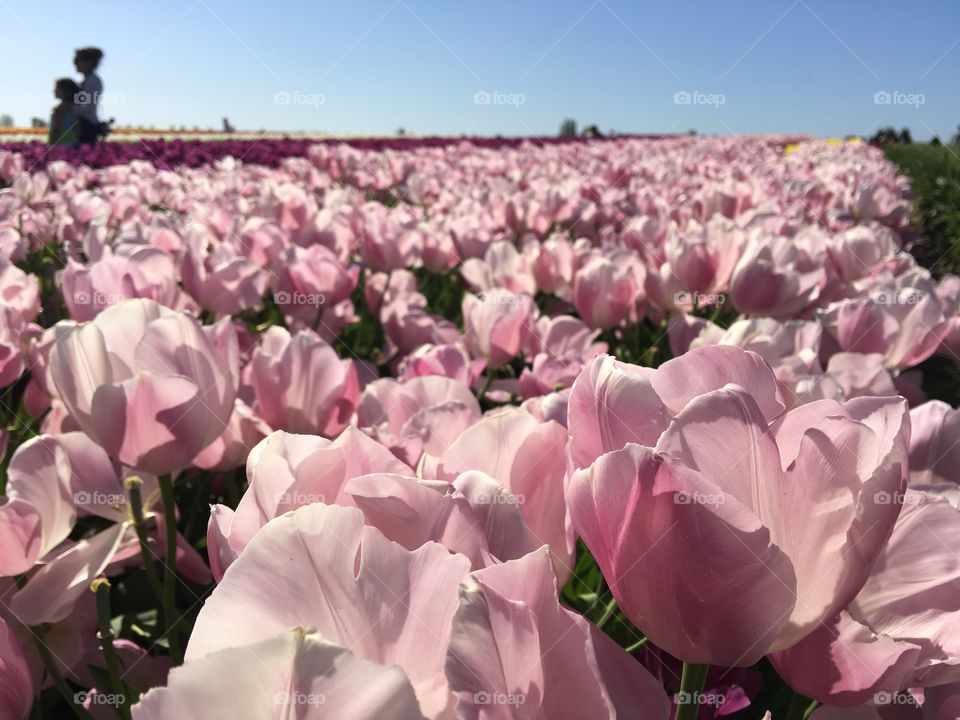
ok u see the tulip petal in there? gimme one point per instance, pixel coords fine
(357, 588)
(296, 674)
(647, 519)
(51, 592)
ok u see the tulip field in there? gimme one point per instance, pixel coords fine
(635, 428)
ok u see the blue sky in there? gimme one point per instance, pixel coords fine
(512, 67)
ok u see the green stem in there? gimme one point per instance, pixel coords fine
(136, 510)
(692, 681)
(101, 588)
(637, 645)
(61, 684)
(170, 570)
(608, 613)
(810, 708)
(488, 380)
(798, 704)
(201, 497)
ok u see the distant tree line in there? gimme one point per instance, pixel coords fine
(890, 136)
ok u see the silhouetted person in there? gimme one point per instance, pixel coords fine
(64, 121)
(87, 102)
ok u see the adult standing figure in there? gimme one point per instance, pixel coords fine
(87, 60)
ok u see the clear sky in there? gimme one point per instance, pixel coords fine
(512, 67)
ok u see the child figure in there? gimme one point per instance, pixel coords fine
(64, 122)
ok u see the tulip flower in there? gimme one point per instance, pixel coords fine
(730, 536)
(136, 271)
(285, 472)
(356, 588)
(423, 415)
(528, 458)
(52, 481)
(935, 448)
(559, 666)
(474, 515)
(497, 325)
(149, 385)
(902, 319)
(16, 684)
(605, 291)
(901, 630)
(301, 384)
(306, 676)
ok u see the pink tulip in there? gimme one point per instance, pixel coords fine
(605, 291)
(423, 415)
(877, 202)
(392, 238)
(296, 673)
(497, 325)
(614, 403)
(11, 350)
(860, 249)
(502, 267)
(778, 276)
(16, 685)
(901, 630)
(151, 386)
(713, 467)
(528, 458)
(10, 165)
(222, 282)
(698, 262)
(310, 280)
(408, 325)
(19, 291)
(39, 509)
(474, 515)
(935, 447)
(553, 265)
(58, 479)
(134, 272)
(301, 384)
(243, 431)
(285, 472)
(359, 591)
(558, 665)
(452, 361)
